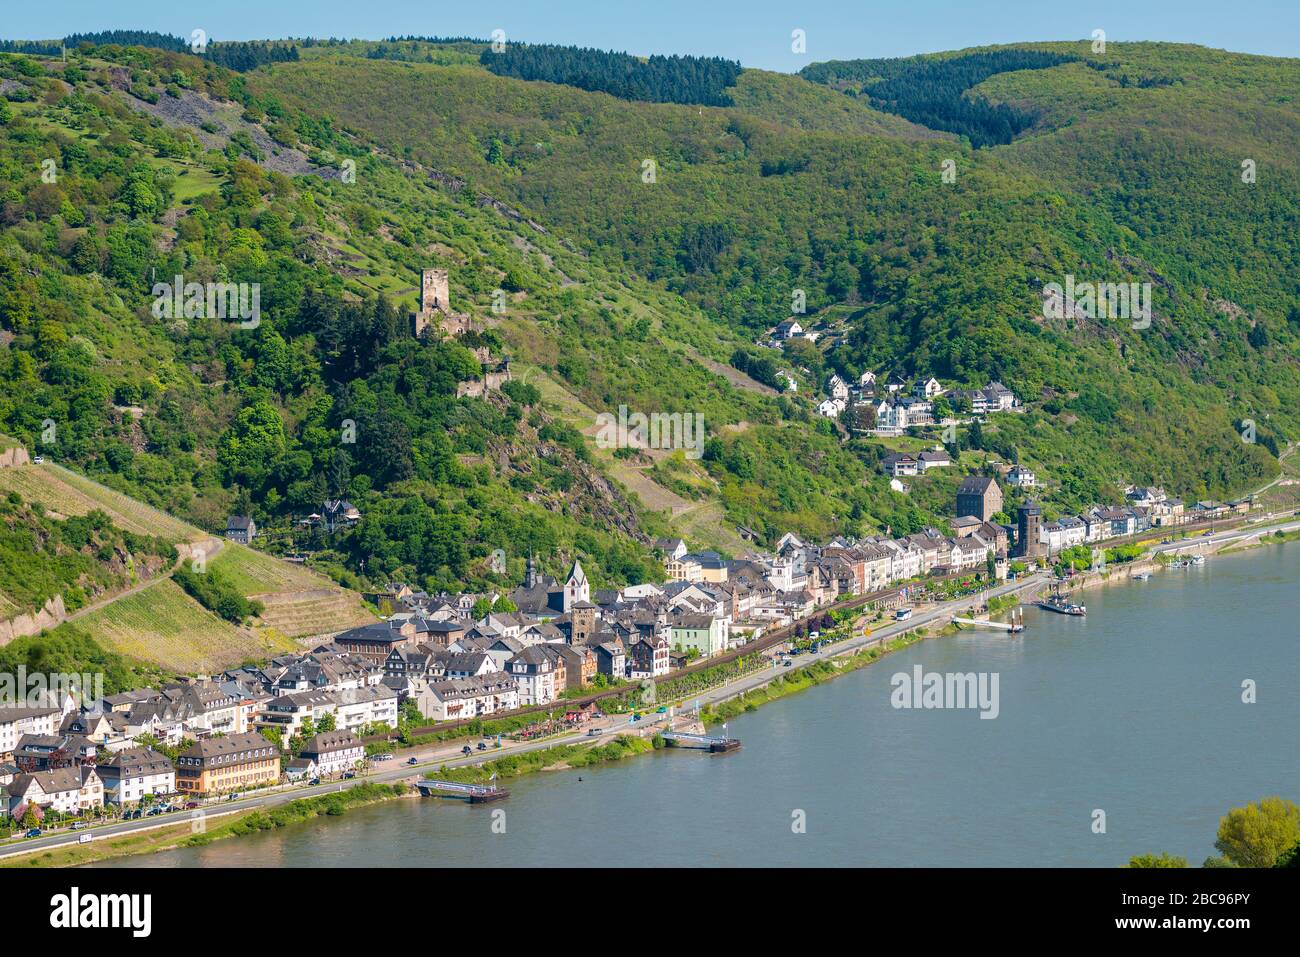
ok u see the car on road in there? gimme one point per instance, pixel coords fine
(34, 832)
(594, 733)
(662, 709)
(412, 760)
(788, 663)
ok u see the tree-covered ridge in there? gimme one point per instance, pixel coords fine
(128, 38)
(656, 79)
(917, 275)
(249, 420)
(933, 91)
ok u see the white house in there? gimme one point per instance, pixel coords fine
(132, 774)
(927, 388)
(837, 388)
(457, 698)
(15, 722)
(830, 408)
(789, 329)
(934, 459)
(334, 751)
(1022, 477)
(534, 672)
(69, 790)
(899, 464)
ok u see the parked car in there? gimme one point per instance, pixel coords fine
(191, 805)
(39, 460)
(383, 757)
(594, 733)
(662, 709)
(482, 746)
(467, 750)
(348, 775)
(412, 760)
(79, 825)
(34, 832)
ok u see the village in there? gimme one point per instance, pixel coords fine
(546, 643)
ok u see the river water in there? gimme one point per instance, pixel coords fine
(1135, 711)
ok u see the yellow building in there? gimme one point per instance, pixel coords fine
(235, 762)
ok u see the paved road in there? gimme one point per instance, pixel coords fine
(451, 756)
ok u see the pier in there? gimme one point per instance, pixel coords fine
(707, 742)
(985, 623)
(474, 793)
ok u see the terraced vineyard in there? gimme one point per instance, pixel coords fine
(298, 601)
(163, 625)
(70, 494)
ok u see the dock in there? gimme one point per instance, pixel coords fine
(474, 793)
(985, 623)
(705, 742)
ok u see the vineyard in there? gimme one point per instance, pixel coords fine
(163, 625)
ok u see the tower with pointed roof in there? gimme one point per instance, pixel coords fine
(576, 588)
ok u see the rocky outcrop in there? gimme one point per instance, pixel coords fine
(51, 614)
(13, 457)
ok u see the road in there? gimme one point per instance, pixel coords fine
(450, 755)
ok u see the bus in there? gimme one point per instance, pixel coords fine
(902, 614)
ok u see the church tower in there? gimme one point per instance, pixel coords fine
(576, 589)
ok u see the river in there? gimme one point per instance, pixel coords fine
(1136, 711)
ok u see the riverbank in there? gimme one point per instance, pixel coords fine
(236, 824)
(801, 679)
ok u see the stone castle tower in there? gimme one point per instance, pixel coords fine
(435, 306)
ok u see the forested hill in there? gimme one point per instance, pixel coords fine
(932, 90)
(608, 287)
(657, 79)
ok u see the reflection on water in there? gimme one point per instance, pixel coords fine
(1136, 711)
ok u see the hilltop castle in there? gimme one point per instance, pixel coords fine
(435, 307)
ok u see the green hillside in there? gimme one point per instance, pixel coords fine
(605, 287)
(1132, 161)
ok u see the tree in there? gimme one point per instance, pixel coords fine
(1157, 860)
(1257, 835)
(327, 722)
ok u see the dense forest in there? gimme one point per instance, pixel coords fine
(656, 79)
(932, 91)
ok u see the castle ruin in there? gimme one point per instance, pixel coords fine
(435, 307)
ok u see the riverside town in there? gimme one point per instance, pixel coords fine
(573, 436)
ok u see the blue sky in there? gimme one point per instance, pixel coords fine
(756, 32)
